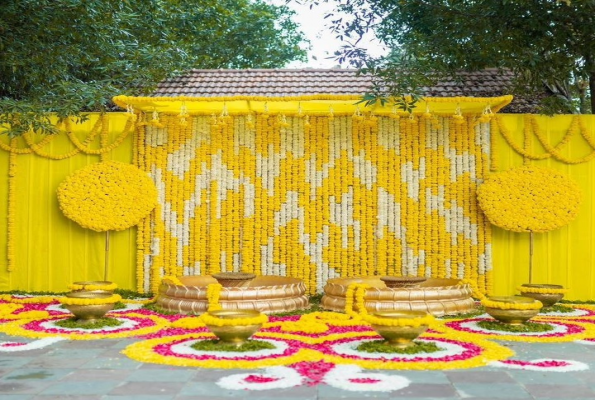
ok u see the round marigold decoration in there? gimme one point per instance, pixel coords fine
(529, 199)
(107, 196)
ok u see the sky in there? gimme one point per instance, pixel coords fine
(322, 41)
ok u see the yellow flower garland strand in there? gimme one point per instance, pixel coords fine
(73, 301)
(357, 293)
(541, 290)
(554, 151)
(142, 351)
(209, 319)
(475, 292)
(531, 126)
(501, 305)
(16, 329)
(104, 149)
(27, 300)
(12, 204)
(213, 294)
(174, 280)
(108, 288)
(188, 323)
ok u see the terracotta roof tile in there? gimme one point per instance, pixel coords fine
(293, 82)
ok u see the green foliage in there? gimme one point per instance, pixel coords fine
(155, 308)
(526, 327)
(545, 43)
(131, 294)
(72, 56)
(33, 293)
(556, 308)
(472, 314)
(382, 346)
(214, 345)
(96, 324)
(314, 307)
(577, 301)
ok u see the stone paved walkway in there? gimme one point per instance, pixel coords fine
(96, 370)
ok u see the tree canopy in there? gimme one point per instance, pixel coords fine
(68, 56)
(544, 42)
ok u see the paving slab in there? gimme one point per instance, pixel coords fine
(562, 391)
(493, 390)
(96, 369)
(147, 388)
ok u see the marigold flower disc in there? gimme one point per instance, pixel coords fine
(107, 196)
(529, 199)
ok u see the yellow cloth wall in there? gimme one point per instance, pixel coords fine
(51, 251)
(565, 256)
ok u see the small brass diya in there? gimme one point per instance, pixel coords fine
(234, 279)
(88, 313)
(102, 286)
(548, 299)
(234, 334)
(512, 316)
(400, 336)
(394, 282)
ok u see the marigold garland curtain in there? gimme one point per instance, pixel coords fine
(315, 197)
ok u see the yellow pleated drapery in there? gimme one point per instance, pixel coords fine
(47, 251)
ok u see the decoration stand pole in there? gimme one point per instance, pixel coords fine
(106, 255)
(531, 257)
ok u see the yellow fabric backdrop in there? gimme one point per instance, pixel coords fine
(52, 251)
(565, 256)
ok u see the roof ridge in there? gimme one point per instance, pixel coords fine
(351, 70)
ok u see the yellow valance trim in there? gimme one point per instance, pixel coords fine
(317, 105)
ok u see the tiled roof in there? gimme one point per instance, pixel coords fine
(297, 82)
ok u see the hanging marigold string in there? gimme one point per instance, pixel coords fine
(532, 128)
(12, 173)
(314, 197)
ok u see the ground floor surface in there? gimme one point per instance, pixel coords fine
(96, 369)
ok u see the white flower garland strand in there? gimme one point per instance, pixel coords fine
(558, 328)
(11, 347)
(345, 377)
(537, 365)
(125, 324)
(273, 378)
(446, 350)
(351, 378)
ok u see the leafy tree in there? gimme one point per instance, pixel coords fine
(68, 56)
(544, 42)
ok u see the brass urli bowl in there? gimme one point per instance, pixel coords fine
(548, 299)
(400, 336)
(234, 334)
(394, 282)
(88, 313)
(233, 279)
(512, 316)
(93, 283)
